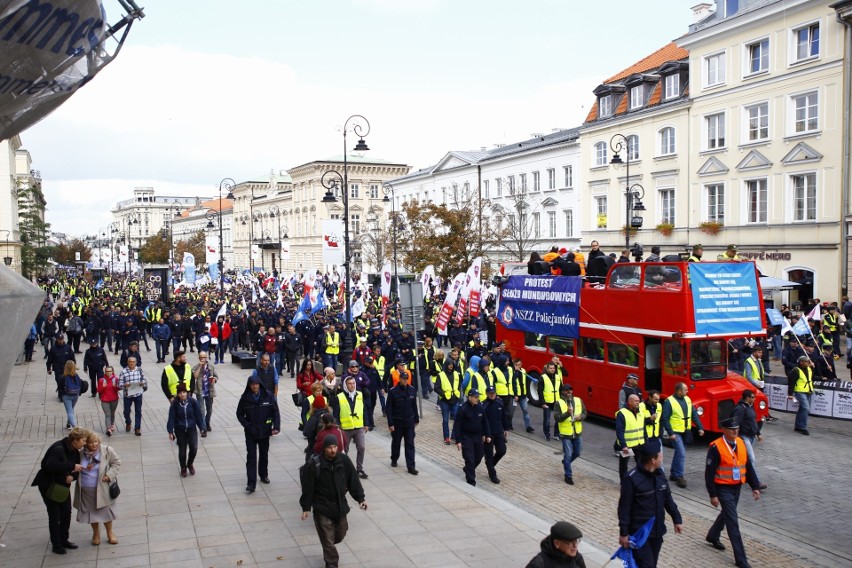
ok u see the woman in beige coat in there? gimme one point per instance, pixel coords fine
(101, 465)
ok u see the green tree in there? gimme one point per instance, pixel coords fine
(194, 244)
(155, 250)
(32, 229)
(67, 254)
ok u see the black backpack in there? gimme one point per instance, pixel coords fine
(312, 463)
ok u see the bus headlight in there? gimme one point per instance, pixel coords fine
(762, 405)
(699, 410)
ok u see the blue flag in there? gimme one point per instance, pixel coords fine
(213, 271)
(100, 284)
(302, 312)
(801, 327)
(637, 540)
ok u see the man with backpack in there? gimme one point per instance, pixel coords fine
(326, 479)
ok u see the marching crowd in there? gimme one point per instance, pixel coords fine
(477, 384)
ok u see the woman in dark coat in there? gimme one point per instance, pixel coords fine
(59, 468)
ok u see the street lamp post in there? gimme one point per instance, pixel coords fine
(113, 228)
(361, 128)
(633, 192)
(388, 190)
(273, 213)
(132, 219)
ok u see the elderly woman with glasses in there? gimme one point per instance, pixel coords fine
(100, 467)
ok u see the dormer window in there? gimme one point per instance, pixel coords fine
(637, 97)
(605, 106)
(672, 86)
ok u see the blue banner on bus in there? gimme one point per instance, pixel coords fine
(725, 298)
(546, 305)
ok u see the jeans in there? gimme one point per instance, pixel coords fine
(547, 412)
(571, 449)
(679, 458)
(48, 345)
(176, 343)
(136, 402)
(70, 401)
(729, 497)
(776, 346)
(186, 438)
(426, 385)
(447, 411)
(162, 348)
(329, 361)
(257, 464)
(523, 404)
(749, 444)
(221, 349)
(330, 532)
(234, 341)
(206, 405)
(358, 436)
(804, 401)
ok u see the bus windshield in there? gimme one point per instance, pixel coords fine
(707, 359)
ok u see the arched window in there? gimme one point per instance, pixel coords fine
(633, 147)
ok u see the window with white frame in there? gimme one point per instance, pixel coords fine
(804, 197)
(758, 56)
(605, 106)
(551, 224)
(569, 223)
(600, 211)
(374, 191)
(805, 112)
(536, 185)
(714, 125)
(486, 192)
(523, 180)
(499, 187)
(536, 224)
(714, 69)
(637, 97)
(672, 83)
(715, 202)
(633, 147)
(551, 178)
(353, 190)
(569, 172)
(600, 154)
(757, 116)
(355, 223)
(667, 141)
(806, 42)
(756, 196)
(511, 222)
(667, 206)
(511, 185)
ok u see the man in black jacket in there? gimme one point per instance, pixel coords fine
(749, 426)
(401, 410)
(292, 345)
(646, 494)
(470, 432)
(257, 411)
(94, 362)
(325, 482)
(559, 548)
(56, 359)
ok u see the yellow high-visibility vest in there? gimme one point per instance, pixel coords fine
(351, 419)
(570, 427)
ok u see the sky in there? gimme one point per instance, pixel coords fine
(208, 89)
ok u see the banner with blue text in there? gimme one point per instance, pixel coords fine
(546, 305)
(725, 298)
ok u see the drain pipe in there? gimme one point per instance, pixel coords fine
(844, 10)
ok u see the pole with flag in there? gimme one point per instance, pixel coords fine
(386, 290)
(637, 540)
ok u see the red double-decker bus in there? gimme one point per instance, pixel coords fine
(641, 319)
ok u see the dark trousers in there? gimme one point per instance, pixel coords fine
(94, 375)
(135, 401)
(508, 411)
(624, 465)
(426, 385)
(257, 463)
(399, 434)
(176, 343)
(473, 451)
(292, 358)
(162, 348)
(546, 414)
(494, 452)
(106, 339)
(186, 438)
(58, 520)
(330, 532)
(729, 497)
(29, 347)
(647, 555)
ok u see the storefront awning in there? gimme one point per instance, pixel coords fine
(770, 283)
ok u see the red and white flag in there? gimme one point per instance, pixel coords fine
(386, 290)
(450, 302)
(425, 278)
(815, 314)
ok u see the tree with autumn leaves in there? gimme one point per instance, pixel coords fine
(156, 248)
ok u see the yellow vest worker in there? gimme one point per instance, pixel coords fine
(351, 413)
(332, 343)
(174, 379)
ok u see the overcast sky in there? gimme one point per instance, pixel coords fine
(207, 89)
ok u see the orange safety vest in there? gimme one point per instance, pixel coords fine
(730, 461)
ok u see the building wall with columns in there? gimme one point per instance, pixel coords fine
(195, 219)
(260, 204)
(9, 202)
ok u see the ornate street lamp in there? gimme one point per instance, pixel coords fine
(633, 192)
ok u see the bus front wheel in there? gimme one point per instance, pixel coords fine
(533, 388)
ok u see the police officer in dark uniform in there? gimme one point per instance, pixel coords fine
(496, 448)
(470, 433)
(646, 494)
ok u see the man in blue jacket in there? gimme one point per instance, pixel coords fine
(257, 411)
(161, 334)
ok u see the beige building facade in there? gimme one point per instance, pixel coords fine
(766, 139)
